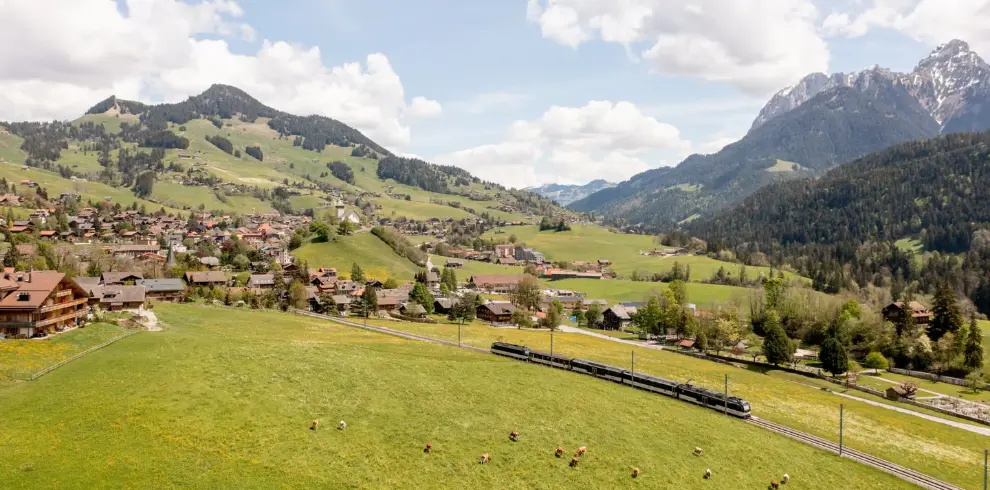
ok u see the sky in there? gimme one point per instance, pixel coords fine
(520, 92)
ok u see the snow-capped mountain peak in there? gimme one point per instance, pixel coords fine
(950, 83)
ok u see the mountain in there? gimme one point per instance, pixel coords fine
(834, 126)
(952, 84)
(566, 194)
(848, 228)
(947, 92)
(223, 150)
(938, 189)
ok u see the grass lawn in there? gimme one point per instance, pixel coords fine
(590, 243)
(946, 452)
(395, 208)
(473, 267)
(377, 259)
(223, 398)
(19, 359)
(614, 291)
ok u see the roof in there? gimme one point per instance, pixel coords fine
(38, 286)
(499, 308)
(206, 277)
(261, 280)
(135, 248)
(497, 279)
(119, 277)
(121, 294)
(162, 285)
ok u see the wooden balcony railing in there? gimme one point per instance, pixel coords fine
(59, 306)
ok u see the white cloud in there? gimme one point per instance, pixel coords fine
(65, 63)
(421, 107)
(757, 45)
(574, 145)
(928, 21)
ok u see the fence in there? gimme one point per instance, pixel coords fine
(77, 356)
(933, 377)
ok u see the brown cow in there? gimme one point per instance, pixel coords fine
(559, 452)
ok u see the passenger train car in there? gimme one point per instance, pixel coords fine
(694, 394)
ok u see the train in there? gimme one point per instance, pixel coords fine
(697, 395)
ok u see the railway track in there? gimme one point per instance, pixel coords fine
(906, 474)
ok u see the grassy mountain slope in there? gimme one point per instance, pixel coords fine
(195, 173)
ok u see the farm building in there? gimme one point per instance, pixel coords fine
(496, 312)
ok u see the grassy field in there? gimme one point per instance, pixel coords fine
(949, 453)
(614, 291)
(223, 398)
(784, 166)
(377, 259)
(924, 384)
(19, 359)
(590, 243)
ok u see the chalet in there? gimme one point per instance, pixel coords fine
(26, 250)
(210, 278)
(496, 312)
(345, 287)
(50, 235)
(261, 281)
(388, 303)
(120, 278)
(39, 302)
(163, 289)
(443, 305)
(618, 317)
(116, 298)
(496, 283)
(558, 274)
(414, 310)
(510, 261)
(432, 279)
(921, 315)
(454, 263)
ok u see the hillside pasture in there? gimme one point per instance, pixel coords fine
(705, 296)
(19, 359)
(377, 259)
(590, 243)
(223, 398)
(946, 452)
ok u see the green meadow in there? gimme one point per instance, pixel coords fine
(224, 398)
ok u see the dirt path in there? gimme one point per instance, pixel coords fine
(567, 329)
(959, 425)
(150, 320)
(937, 394)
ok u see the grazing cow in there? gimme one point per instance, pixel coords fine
(574, 462)
(342, 425)
(708, 473)
(316, 425)
(428, 448)
(774, 485)
(581, 450)
(513, 436)
(559, 452)
(485, 458)
(785, 479)
(697, 451)
(635, 472)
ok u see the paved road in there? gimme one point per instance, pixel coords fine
(567, 329)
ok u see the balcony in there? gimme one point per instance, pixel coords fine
(52, 321)
(59, 306)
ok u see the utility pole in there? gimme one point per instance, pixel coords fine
(459, 334)
(841, 416)
(633, 368)
(551, 346)
(726, 410)
(985, 454)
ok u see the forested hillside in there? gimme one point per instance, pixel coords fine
(841, 229)
(834, 127)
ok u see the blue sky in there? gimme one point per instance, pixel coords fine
(523, 92)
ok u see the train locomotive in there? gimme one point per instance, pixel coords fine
(682, 391)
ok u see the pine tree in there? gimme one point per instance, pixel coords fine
(974, 346)
(777, 348)
(357, 273)
(833, 356)
(368, 303)
(947, 317)
(421, 295)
